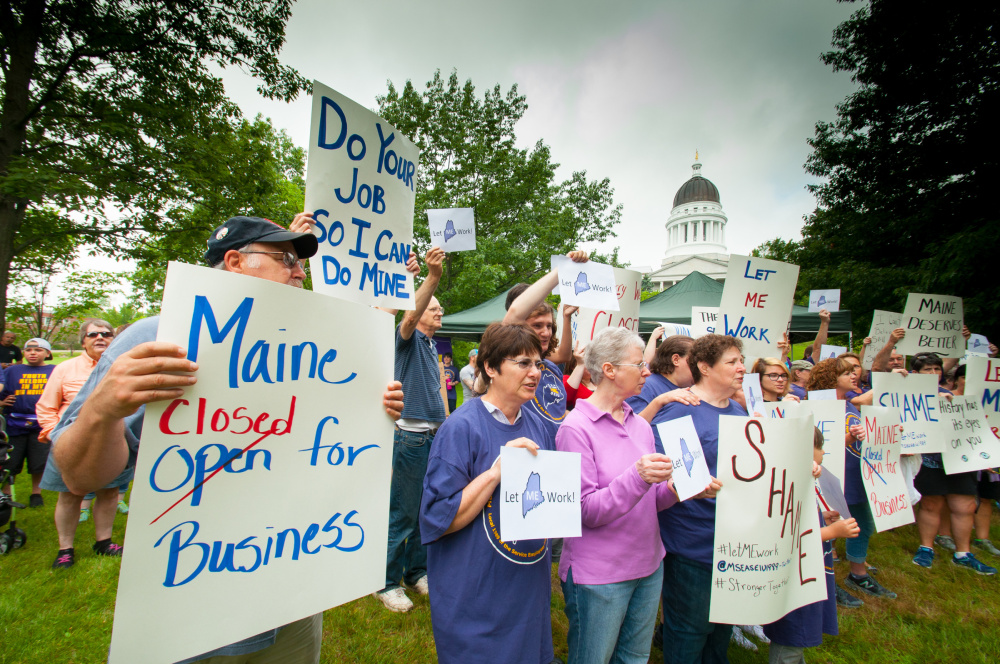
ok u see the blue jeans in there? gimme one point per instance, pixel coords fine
(688, 636)
(857, 547)
(611, 622)
(407, 557)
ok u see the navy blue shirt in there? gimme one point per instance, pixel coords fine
(417, 369)
(26, 383)
(550, 396)
(854, 488)
(656, 384)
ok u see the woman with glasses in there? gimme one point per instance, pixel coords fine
(670, 376)
(492, 600)
(775, 381)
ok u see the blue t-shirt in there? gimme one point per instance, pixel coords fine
(550, 396)
(656, 384)
(492, 598)
(688, 528)
(854, 488)
(452, 374)
(796, 390)
(26, 383)
(417, 369)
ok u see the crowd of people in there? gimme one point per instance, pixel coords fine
(527, 385)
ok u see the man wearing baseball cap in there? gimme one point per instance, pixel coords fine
(22, 386)
(100, 433)
(801, 370)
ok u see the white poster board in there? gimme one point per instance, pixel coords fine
(933, 323)
(970, 444)
(881, 470)
(977, 345)
(821, 395)
(830, 491)
(916, 398)
(828, 299)
(452, 229)
(883, 323)
(628, 289)
(826, 352)
(681, 443)
(757, 303)
(768, 555)
(587, 284)
(361, 189)
(540, 495)
(982, 377)
(753, 395)
(675, 330)
(299, 521)
(829, 416)
(703, 320)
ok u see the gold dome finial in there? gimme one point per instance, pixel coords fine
(696, 155)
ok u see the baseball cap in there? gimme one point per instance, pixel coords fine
(238, 232)
(41, 343)
(801, 364)
(474, 351)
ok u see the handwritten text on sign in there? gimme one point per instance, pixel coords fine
(288, 395)
(883, 323)
(916, 398)
(969, 442)
(982, 377)
(768, 557)
(881, 471)
(361, 188)
(757, 303)
(703, 320)
(933, 323)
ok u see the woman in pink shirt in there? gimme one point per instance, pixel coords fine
(611, 575)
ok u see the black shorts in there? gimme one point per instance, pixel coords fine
(988, 490)
(934, 482)
(27, 448)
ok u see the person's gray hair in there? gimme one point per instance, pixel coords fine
(93, 322)
(611, 344)
(253, 260)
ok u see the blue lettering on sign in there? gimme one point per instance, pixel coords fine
(913, 407)
(759, 275)
(199, 467)
(337, 449)
(743, 331)
(992, 398)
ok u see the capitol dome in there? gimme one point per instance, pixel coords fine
(695, 190)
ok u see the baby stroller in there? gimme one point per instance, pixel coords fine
(14, 537)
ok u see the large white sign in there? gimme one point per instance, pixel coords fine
(703, 320)
(970, 444)
(916, 397)
(262, 496)
(829, 416)
(982, 379)
(757, 303)
(540, 495)
(881, 470)
(828, 299)
(768, 555)
(628, 291)
(681, 443)
(361, 189)
(933, 323)
(452, 229)
(587, 284)
(675, 330)
(883, 323)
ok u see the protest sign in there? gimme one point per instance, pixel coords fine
(452, 229)
(780, 409)
(821, 395)
(675, 330)
(977, 345)
(540, 495)
(828, 299)
(933, 323)
(826, 352)
(883, 323)
(262, 496)
(681, 443)
(753, 395)
(969, 443)
(587, 284)
(768, 555)
(361, 189)
(916, 397)
(829, 417)
(881, 470)
(628, 289)
(982, 377)
(830, 491)
(757, 303)
(703, 320)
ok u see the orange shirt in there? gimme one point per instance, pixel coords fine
(66, 380)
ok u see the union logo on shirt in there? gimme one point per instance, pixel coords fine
(550, 396)
(525, 552)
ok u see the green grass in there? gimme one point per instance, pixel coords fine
(945, 614)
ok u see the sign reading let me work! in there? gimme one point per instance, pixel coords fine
(262, 495)
(757, 303)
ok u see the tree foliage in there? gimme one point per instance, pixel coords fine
(469, 158)
(906, 202)
(83, 294)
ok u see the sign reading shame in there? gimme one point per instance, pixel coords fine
(916, 398)
(452, 229)
(757, 303)
(883, 323)
(881, 470)
(589, 321)
(969, 442)
(540, 495)
(933, 323)
(982, 377)
(768, 555)
(361, 189)
(262, 495)
(703, 320)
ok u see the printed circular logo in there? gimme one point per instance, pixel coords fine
(550, 397)
(523, 552)
(223, 232)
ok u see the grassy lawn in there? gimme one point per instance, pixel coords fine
(946, 614)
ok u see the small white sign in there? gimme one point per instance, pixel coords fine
(539, 495)
(703, 320)
(882, 470)
(754, 395)
(831, 494)
(977, 345)
(822, 395)
(883, 323)
(970, 444)
(828, 299)
(675, 330)
(588, 321)
(452, 229)
(587, 284)
(682, 445)
(826, 352)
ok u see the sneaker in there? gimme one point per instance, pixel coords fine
(36, 500)
(755, 631)
(944, 542)
(868, 585)
(969, 560)
(84, 514)
(64, 559)
(395, 600)
(108, 548)
(421, 585)
(741, 640)
(122, 507)
(924, 557)
(847, 600)
(983, 544)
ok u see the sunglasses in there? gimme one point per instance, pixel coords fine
(94, 335)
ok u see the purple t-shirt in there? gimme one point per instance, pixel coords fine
(550, 396)
(854, 488)
(26, 383)
(655, 385)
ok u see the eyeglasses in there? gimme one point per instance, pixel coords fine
(435, 310)
(776, 376)
(94, 335)
(641, 365)
(289, 259)
(524, 365)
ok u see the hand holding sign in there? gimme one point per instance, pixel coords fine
(452, 229)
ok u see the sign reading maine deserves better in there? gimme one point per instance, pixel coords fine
(933, 323)
(262, 495)
(360, 189)
(539, 495)
(757, 303)
(768, 555)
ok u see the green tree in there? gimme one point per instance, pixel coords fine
(105, 102)
(84, 293)
(469, 158)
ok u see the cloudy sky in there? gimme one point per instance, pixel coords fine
(625, 90)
